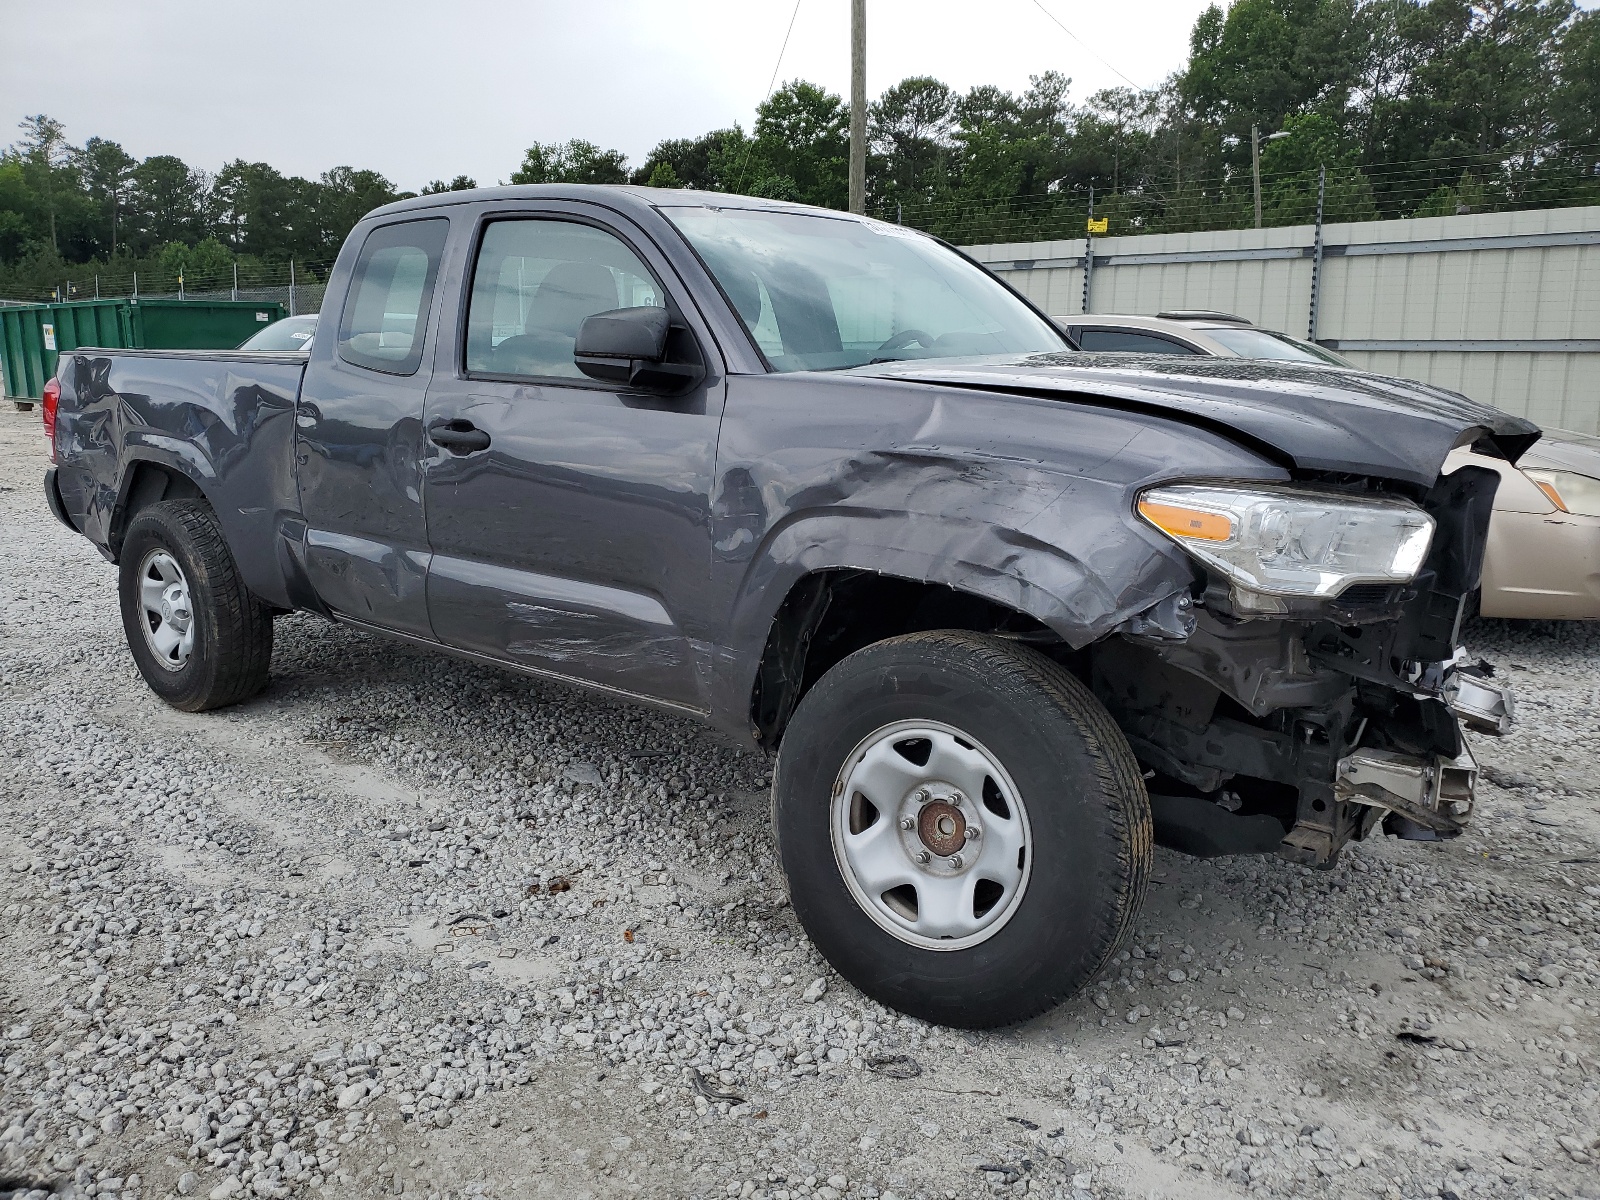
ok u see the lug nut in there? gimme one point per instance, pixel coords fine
(907, 823)
(956, 861)
(955, 798)
(973, 833)
(923, 857)
(922, 796)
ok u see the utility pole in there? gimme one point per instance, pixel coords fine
(858, 106)
(291, 287)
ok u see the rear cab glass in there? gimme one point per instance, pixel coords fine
(391, 293)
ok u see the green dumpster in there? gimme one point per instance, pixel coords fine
(32, 336)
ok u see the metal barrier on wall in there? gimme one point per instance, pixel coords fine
(1502, 306)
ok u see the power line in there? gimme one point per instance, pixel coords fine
(1037, 4)
(771, 83)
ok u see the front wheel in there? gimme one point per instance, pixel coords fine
(964, 830)
(200, 638)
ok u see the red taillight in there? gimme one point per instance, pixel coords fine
(52, 398)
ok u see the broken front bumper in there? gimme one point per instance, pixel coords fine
(1433, 793)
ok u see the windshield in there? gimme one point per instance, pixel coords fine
(291, 333)
(824, 293)
(1263, 343)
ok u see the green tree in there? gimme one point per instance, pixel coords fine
(708, 163)
(1291, 166)
(260, 212)
(910, 129)
(461, 183)
(662, 175)
(168, 201)
(44, 152)
(802, 147)
(341, 198)
(1268, 59)
(574, 161)
(15, 203)
(1577, 101)
(107, 172)
(207, 262)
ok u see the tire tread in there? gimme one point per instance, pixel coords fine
(243, 622)
(1009, 664)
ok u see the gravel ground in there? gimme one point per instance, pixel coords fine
(404, 925)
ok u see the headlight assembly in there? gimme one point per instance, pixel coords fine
(1291, 542)
(1568, 490)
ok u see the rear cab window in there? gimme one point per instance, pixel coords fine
(391, 293)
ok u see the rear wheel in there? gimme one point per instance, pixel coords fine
(199, 637)
(964, 830)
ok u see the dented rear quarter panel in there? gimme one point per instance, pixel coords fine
(225, 421)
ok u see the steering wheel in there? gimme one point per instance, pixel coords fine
(901, 340)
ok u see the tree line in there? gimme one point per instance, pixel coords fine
(1409, 107)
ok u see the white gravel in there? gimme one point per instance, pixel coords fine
(407, 926)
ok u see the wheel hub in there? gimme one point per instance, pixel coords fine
(167, 611)
(175, 604)
(930, 835)
(942, 827)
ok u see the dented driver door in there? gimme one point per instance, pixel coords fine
(568, 519)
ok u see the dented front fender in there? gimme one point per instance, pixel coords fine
(1025, 503)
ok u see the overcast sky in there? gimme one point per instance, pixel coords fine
(428, 90)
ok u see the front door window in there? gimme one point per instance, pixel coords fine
(534, 284)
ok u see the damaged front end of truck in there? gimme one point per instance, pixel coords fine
(1310, 687)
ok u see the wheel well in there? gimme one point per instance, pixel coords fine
(829, 615)
(150, 483)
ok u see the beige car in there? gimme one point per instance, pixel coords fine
(1543, 559)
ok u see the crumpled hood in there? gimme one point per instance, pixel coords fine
(1316, 418)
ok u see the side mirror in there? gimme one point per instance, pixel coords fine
(630, 346)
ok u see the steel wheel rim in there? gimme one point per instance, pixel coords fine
(956, 875)
(165, 610)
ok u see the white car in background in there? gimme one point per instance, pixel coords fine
(1543, 557)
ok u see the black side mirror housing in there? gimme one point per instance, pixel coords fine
(631, 346)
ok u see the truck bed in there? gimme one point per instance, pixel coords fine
(220, 422)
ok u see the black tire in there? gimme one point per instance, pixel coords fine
(1083, 794)
(24, 405)
(232, 629)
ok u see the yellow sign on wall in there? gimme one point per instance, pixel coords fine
(1099, 224)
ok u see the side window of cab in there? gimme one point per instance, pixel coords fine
(1128, 341)
(536, 280)
(386, 310)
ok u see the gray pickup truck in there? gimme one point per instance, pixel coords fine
(1006, 613)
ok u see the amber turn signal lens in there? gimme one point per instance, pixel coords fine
(1191, 523)
(1550, 494)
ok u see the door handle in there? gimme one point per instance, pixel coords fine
(459, 437)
